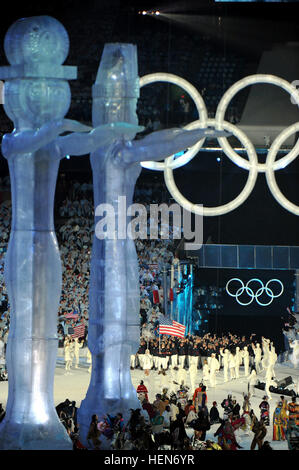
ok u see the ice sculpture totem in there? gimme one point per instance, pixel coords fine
(114, 331)
(37, 97)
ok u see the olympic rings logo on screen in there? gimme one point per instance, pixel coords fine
(219, 123)
(255, 294)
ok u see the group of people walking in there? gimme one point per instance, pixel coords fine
(210, 354)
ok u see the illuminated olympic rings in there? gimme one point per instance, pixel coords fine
(249, 291)
(218, 123)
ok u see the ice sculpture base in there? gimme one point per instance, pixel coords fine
(102, 407)
(19, 436)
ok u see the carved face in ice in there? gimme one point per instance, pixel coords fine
(36, 39)
(33, 102)
(32, 42)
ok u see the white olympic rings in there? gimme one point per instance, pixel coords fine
(201, 123)
(252, 165)
(257, 294)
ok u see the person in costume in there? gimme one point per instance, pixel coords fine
(279, 423)
(259, 429)
(293, 409)
(142, 392)
(191, 415)
(226, 435)
(293, 425)
(94, 432)
(284, 412)
(227, 405)
(200, 397)
(246, 412)
(214, 414)
(235, 410)
(265, 410)
(182, 395)
(196, 442)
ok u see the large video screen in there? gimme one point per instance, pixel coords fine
(249, 291)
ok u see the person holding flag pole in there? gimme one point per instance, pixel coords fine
(170, 327)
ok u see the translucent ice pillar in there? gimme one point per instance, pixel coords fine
(37, 96)
(114, 288)
(114, 333)
(35, 48)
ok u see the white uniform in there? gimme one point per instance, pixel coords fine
(225, 360)
(193, 360)
(214, 368)
(181, 361)
(252, 381)
(271, 362)
(132, 361)
(206, 373)
(182, 376)
(193, 376)
(89, 359)
(257, 357)
(295, 353)
(68, 354)
(162, 362)
(77, 347)
(269, 383)
(238, 361)
(245, 355)
(140, 359)
(2, 356)
(173, 361)
(266, 352)
(231, 364)
(147, 362)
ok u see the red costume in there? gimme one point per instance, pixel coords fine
(156, 297)
(142, 389)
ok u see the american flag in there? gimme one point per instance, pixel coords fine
(171, 327)
(71, 315)
(79, 331)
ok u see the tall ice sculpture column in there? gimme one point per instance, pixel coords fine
(114, 333)
(37, 96)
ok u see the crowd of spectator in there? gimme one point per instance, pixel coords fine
(74, 230)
